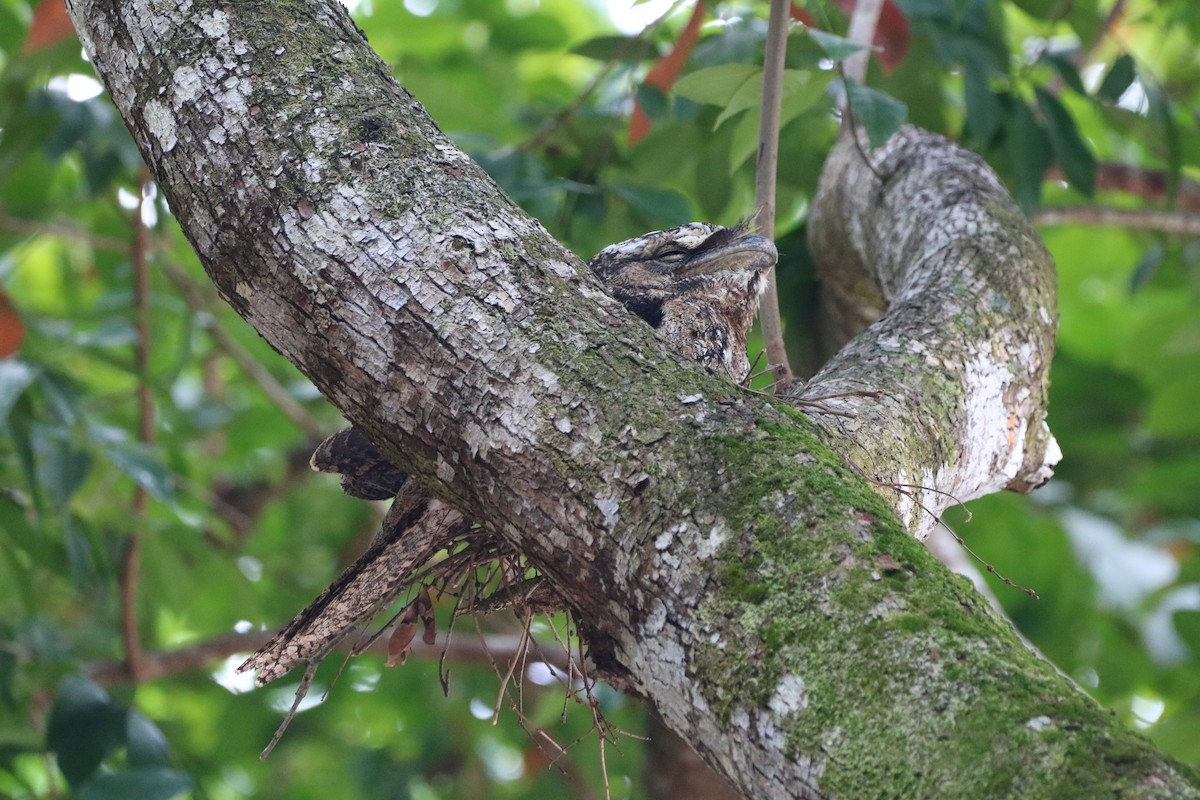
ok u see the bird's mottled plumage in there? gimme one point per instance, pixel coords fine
(697, 284)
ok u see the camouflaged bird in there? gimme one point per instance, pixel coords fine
(697, 284)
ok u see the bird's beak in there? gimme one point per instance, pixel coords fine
(747, 252)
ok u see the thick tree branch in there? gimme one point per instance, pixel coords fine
(722, 561)
(943, 399)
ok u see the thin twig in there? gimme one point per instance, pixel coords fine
(131, 559)
(272, 388)
(541, 135)
(202, 655)
(195, 300)
(1178, 223)
(1145, 182)
(63, 230)
(769, 319)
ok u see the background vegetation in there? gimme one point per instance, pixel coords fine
(154, 490)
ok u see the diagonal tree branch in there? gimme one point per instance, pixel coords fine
(722, 560)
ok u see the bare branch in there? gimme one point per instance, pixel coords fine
(202, 655)
(1178, 223)
(1148, 184)
(273, 389)
(132, 557)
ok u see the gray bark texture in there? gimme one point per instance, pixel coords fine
(725, 561)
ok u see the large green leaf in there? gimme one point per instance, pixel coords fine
(879, 114)
(1071, 152)
(616, 48)
(143, 465)
(15, 378)
(145, 783)
(836, 47)
(1028, 149)
(983, 108)
(1118, 79)
(85, 727)
(717, 85)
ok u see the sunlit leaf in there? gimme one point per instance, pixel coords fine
(836, 47)
(616, 48)
(717, 85)
(748, 95)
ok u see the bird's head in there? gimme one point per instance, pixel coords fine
(698, 284)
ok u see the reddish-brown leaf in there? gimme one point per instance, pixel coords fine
(666, 71)
(12, 330)
(891, 32)
(50, 25)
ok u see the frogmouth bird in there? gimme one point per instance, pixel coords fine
(697, 284)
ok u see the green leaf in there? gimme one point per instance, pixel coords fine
(714, 186)
(1067, 71)
(1070, 150)
(799, 92)
(659, 206)
(143, 465)
(616, 48)
(748, 95)
(111, 333)
(716, 85)
(836, 47)
(15, 377)
(1043, 9)
(85, 727)
(1119, 78)
(147, 747)
(653, 101)
(61, 466)
(1162, 115)
(983, 109)
(1147, 266)
(145, 783)
(879, 113)
(1028, 149)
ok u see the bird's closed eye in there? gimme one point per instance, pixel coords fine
(676, 253)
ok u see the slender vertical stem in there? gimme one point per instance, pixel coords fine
(131, 560)
(764, 179)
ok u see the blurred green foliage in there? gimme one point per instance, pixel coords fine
(236, 533)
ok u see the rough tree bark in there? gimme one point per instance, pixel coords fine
(725, 561)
